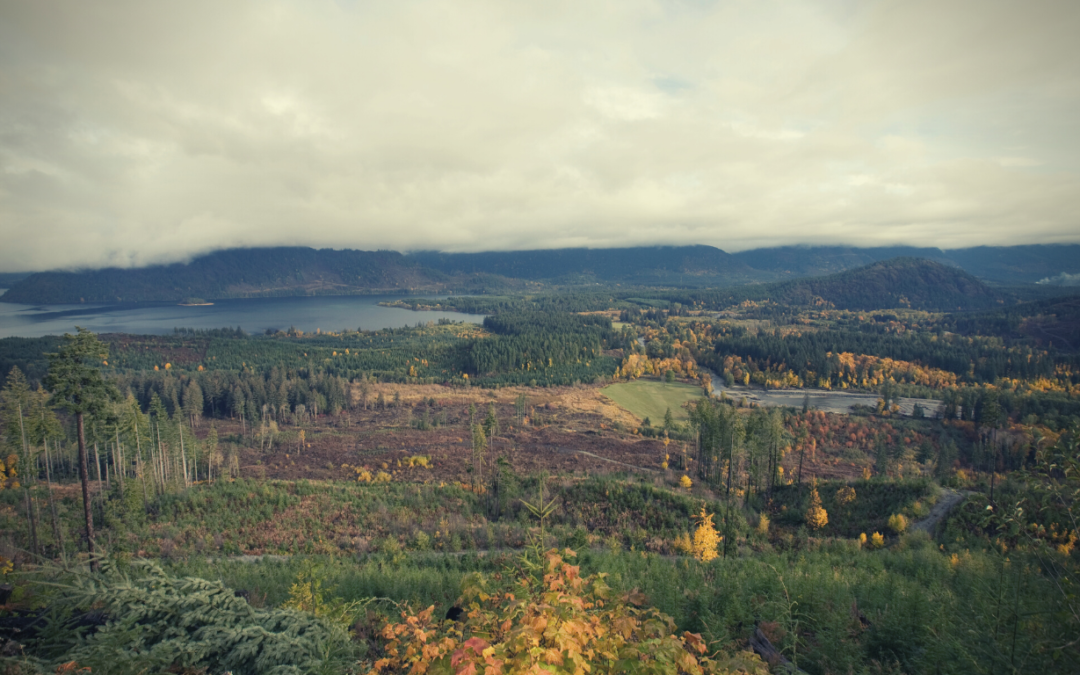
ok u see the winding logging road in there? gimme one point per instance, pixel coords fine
(949, 499)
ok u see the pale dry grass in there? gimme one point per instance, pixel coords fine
(583, 398)
(589, 399)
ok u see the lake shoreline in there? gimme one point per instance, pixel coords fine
(252, 315)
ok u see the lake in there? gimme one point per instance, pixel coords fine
(329, 313)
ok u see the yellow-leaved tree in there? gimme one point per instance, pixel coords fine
(706, 538)
(566, 624)
(552, 621)
(816, 516)
(8, 472)
(845, 495)
(306, 595)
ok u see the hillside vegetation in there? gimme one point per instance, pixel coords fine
(234, 273)
(651, 399)
(238, 273)
(211, 501)
(900, 282)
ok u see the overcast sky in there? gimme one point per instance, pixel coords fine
(150, 131)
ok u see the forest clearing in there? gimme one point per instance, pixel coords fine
(651, 399)
(347, 481)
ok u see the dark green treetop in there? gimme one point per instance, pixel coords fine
(75, 378)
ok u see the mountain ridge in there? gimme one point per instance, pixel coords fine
(298, 271)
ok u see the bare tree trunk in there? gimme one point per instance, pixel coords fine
(140, 468)
(32, 522)
(730, 463)
(152, 464)
(84, 477)
(97, 460)
(29, 500)
(52, 504)
(118, 461)
(183, 454)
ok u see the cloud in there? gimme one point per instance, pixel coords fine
(134, 132)
(1062, 279)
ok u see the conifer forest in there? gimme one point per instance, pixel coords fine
(875, 472)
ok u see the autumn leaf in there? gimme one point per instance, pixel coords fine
(468, 669)
(695, 641)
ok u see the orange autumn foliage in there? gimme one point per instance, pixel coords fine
(565, 624)
(637, 365)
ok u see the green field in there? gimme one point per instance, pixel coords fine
(651, 398)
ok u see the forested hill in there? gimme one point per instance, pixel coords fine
(999, 264)
(234, 273)
(900, 282)
(252, 272)
(816, 261)
(672, 265)
(238, 273)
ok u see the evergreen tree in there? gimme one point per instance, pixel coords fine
(193, 402)
(79, 387)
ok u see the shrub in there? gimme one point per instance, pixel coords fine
(578, 539)
(816, 516)
(307, 595)
(845, 495)
(158, 622)
(566, 623)
(706, 538)
(683, 544)
(686, 482)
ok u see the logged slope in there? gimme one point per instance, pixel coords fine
(901, 282)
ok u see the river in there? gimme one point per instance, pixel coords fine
(256, 315)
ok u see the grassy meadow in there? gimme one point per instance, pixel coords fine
(652, 398)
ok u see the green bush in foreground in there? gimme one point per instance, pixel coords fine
(158, 622)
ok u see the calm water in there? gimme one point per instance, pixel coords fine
(254, 316)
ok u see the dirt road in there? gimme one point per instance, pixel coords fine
(949, 499)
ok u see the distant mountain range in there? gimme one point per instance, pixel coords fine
(995, 264)
(259, 272)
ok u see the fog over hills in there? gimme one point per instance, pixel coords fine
(293, 271)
